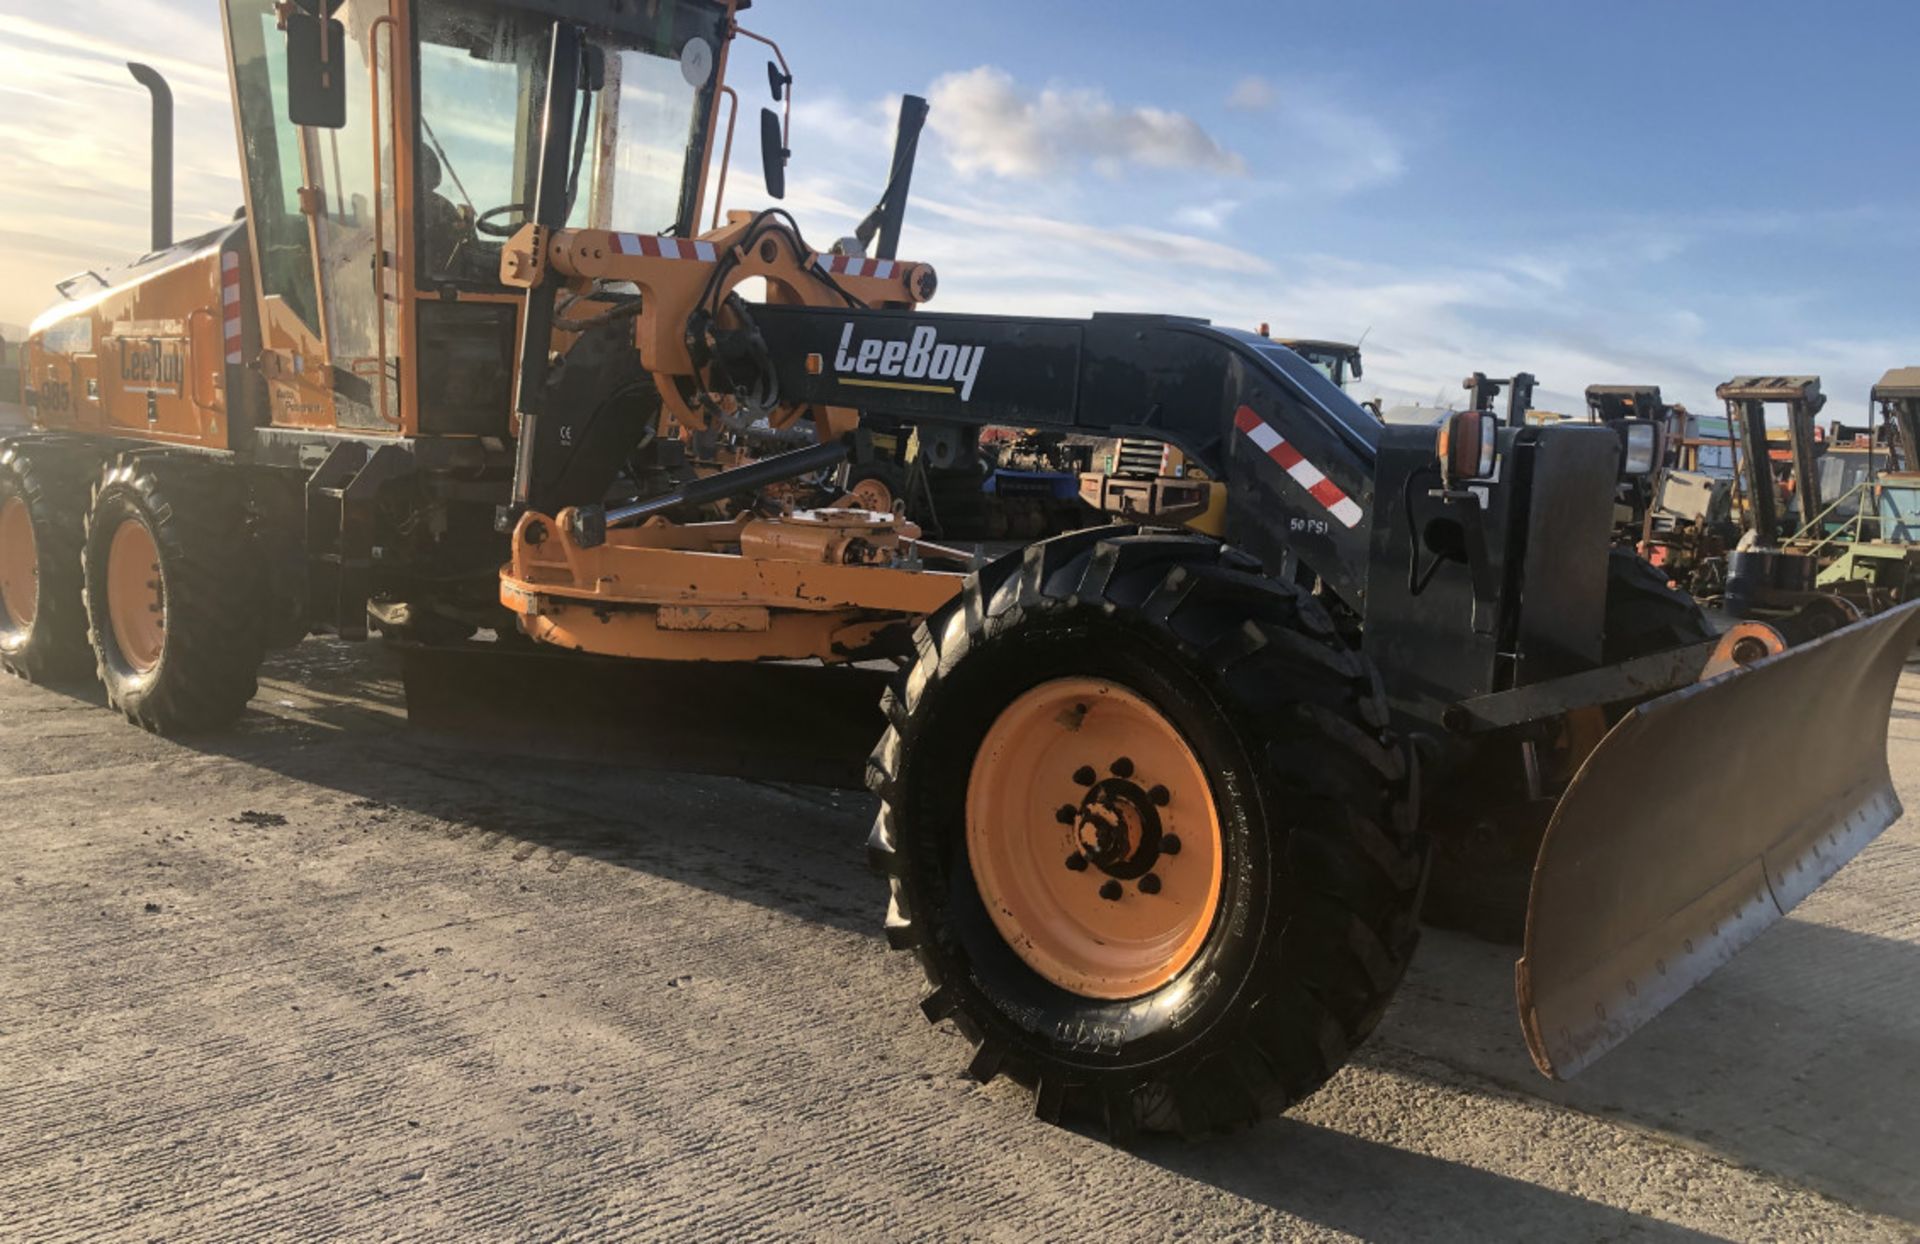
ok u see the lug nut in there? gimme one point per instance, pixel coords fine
(1122, 768)
(1111, 891)
(1161, 796)
(1169, 844)
(1150, 884)
(1084, 775)
(1067, 814)
(1077, 862)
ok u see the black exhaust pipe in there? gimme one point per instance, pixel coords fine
(886, 217)
(149, 77)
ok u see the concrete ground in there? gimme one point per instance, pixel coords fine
(324, 978)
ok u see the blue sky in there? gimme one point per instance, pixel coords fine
(1669, 192)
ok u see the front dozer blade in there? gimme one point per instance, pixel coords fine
(1702, 818)
(790, 722)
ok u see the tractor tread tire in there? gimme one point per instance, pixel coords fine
(1335, 920)
(52, 484)
(215, 639)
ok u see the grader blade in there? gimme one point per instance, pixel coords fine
(791, 722)
(1702, 818)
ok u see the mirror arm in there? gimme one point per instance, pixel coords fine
(786, 99)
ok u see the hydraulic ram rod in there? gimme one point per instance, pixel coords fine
(591, 522)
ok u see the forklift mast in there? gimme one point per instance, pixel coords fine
(1747, 399)
(1898, 397)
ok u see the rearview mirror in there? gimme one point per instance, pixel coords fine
(316, 71)
(773, 153)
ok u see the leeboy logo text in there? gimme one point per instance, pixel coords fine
(922, 362)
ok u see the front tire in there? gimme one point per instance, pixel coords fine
(43, 627)
(1285, 916)
(175, 605)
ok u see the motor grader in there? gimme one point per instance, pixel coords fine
(1155, 807)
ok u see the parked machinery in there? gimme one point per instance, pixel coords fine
(1154, 806)
(1865, 543)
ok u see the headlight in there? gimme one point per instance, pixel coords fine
(1642, 447)
(1466, 446)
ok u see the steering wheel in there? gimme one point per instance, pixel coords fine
(484, 226)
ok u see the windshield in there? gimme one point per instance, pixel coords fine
(635, 153)
(1330, 363)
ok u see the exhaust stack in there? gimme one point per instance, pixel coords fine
(149, 77)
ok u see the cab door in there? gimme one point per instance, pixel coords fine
(320, 205)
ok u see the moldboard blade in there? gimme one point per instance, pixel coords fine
(789, 722)
(1704, 817)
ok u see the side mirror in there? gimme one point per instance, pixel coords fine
(773, 153)
(777, 82)
(1356, 367)
(316, 71)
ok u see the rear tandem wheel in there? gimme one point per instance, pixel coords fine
(43, 628)
(174, 595)
(1146, 832)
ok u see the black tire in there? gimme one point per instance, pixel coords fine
(52, 647)
(885, 472)
(210, 587)
(1317, 917)
(1646, 613)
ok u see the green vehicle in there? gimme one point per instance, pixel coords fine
(1866, 540)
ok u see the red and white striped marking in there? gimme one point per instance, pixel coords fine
(232, 314)
(854, 265)
(1304, 473)
(662, 248)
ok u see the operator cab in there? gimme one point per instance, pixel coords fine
(378, 242)
(1338, 361)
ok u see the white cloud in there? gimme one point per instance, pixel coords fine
(1253, 93)
(1211, 217)
(990, 124)
(1329, 147)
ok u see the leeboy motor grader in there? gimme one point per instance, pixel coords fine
(1155, 808)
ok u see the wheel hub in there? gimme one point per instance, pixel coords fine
(1118, 829)
(1080, 796)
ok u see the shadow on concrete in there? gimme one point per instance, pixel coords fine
(1797, 1058)
(1378, 1192)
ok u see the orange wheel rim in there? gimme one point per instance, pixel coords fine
(1094, 839)
(872, 494)
(19, 564)
(136, 604)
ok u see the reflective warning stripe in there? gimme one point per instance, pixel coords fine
(662, 248)
(1304, 473)
(854, 265)
(232, 313)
